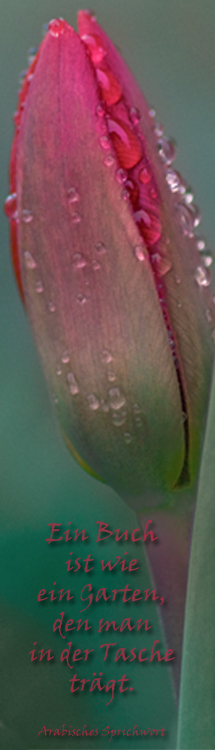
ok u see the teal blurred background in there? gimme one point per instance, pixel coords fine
(169, 44)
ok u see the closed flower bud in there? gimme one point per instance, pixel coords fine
(114, 281)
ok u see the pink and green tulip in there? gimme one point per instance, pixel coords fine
(108, 266)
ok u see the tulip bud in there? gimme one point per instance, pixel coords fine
(109, 268)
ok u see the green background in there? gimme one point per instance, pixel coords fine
(169, 44)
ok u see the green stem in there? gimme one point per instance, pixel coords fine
(168, 563)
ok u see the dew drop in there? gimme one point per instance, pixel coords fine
(76, 218)
(188, 196)
(59, 371)
(81, 299)
(39, 287)
(111, 376)
(127, 437)
(93, 402)
(117, 400)
(73, 195)
(100, 248)
(200, 244)
(95, 47)
(134, 115)
(56, 26)
(100, 110)
(152, 112)
(65, 357)
(144, 176)
(27, 216)
(106, 356)
(78, 260)
(196, 214)
(186, 219)
(52, 307)
(29, 260)
(10, 206)
(202, 276)
(140, 253)
(119, 419)
(104, 141)
(167, 150)
(121, 175)
(22, 76)
(126, 143)
(207, 259)
(173, 180)
(95, 265)
(158, 129)
(73, 385)
(110, 88)
(109, 160)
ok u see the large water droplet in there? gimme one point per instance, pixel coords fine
(110, 88)
(126, 143)
(65, 357)
(73, 195)
(167, 150)
(81, 299)
(93, 402)
(186, 219)
(117, 400)
(95, 46)
(39, 287)
(106, 356)
(100, 248)
(29, 260)
(10, 206)
(202, 276)
(27, 216)
(73, 385)
(78, 260)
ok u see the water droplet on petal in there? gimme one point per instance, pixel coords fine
(109, 160)
(39, 287)
(158, 129)
(81, 299)
(73, 385)
(140, 253)
(93, 402)
(95, 46)
(52, 307)
(59, 371)
(207, 259)
(111, 376)
(117, 400)
(167, 150)
(78, 260)
(186, 219)
(27, 216)
(104, 141)
(95, 265)
(73, 195)
(76, 218)
(121, 175)
(29, 260)
(144, 176)
(196, 214)
(56, 26)
(106, 356)
(10, 206)
(188, 196)
(100, 110)
(31, 55)
(200, 244)
(152, 112)
(202, 276)
(100, 248)
(110, 88)
(22, 76)
(126, 143)
(65, 357)
(119, 419)
(127, 437)
(173, 180)
(134, 115)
